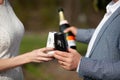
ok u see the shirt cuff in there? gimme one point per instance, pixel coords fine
(78, 66)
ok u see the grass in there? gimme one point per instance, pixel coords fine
(41, 71)
(32, 41)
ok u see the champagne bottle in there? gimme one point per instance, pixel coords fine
(63, 23)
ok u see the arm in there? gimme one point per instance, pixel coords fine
(84, 35)
(34, 56)
(99, 69)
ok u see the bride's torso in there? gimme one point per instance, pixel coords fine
(11, 32)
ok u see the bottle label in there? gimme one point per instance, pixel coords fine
(70, 38)
(71, 43)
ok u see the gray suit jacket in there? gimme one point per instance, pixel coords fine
(104, 61)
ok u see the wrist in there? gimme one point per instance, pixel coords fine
(24, 58)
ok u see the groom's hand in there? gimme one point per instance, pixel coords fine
(68, 60)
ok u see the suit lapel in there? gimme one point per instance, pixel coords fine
(105, 26)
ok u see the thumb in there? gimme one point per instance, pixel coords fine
(71, 50)
(71, 29)
(67, 30)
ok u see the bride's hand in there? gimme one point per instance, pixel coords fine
(39, 55)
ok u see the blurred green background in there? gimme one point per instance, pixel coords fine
(41, 16)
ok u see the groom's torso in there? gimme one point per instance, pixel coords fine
(107, 44)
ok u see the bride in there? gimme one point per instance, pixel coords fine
(11, 32)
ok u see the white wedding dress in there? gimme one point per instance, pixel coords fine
(11, 32)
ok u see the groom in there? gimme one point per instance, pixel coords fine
(102, 60)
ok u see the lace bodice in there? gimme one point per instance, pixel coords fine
(11, 32)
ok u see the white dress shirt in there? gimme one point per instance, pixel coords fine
(110, 9)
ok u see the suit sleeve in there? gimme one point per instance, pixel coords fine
(101, 70)
(84, 35)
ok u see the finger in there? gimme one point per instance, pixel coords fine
(60, 57)
(44, 59)
(43, 49)
(71, 50)
(62, 54)
(62, 63)
(72, 29)
(65, 67)
(41, 54)
(67, 30)
(46, 49)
